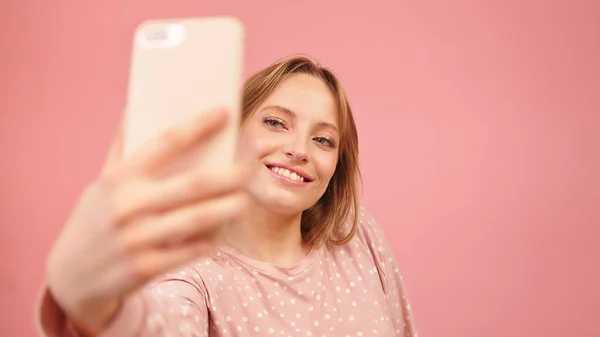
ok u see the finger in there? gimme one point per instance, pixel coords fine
(192, 186)
(143, 196)
(115, 152)
(183, 224)
(177, 139)
(150, 263)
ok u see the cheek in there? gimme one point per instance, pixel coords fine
(326, 165)
(246, 147)
(252, 146)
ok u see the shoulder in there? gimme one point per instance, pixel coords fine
(368, 236)
(368, 228)
(370, 239)
(367, 232)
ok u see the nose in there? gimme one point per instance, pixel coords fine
(296, 150)
(296, 156)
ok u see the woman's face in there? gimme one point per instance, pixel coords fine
(292, 140)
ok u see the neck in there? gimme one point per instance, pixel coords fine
(267, 236)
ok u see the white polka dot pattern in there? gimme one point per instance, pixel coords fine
(350, 290)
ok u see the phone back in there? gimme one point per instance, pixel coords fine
(179, 69)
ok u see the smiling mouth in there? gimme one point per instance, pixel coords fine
(293, 176)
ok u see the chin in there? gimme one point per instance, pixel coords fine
(278, 200)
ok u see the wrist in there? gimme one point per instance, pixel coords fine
(87, 316)
(93, 321)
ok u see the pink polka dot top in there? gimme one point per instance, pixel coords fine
(351, 290)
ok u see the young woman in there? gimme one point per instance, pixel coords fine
(277, 245)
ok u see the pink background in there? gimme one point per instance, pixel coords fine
(479, 135)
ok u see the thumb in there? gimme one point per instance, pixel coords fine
(115, 153)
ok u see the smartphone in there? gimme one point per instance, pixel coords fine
(179, 69)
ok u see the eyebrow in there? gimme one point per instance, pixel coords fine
(293, 115)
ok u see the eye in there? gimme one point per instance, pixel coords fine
(274, 122)
(325, 141)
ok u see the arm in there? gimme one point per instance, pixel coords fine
(389, 274)
(173, 305)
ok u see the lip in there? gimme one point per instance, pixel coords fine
(298, 171)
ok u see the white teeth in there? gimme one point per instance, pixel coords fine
(286, 173)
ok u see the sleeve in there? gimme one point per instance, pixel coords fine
(173, 305)
(389, 274)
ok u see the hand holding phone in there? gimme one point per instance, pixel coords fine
(132, 224)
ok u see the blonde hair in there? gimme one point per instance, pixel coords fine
(322, 223)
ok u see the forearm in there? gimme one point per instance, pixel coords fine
(171, 306)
